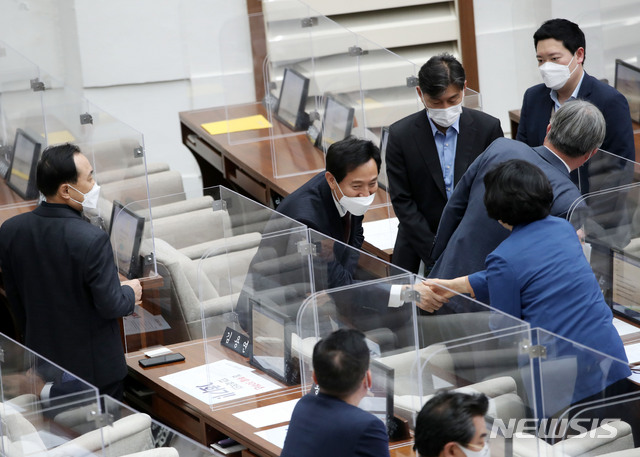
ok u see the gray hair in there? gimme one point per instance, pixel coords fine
(577, 128)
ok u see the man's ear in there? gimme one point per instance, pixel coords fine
(331, 180)
(451, 449)
(580, 55)
(63, 191)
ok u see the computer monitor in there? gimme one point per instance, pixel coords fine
(271, 332)
(293, 98)
(21, 176)
(125, 233)
(379, 400)
(625, 293)
(627, 82)
(337, 122)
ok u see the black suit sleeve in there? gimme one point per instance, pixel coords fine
(414, 225)
(111, 299)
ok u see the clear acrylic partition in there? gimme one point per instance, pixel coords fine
(284, 39)
(608, 220)
(34, 394)
(161, 241)
(20, 97)
(401, 339)
(534, 380)
(94, 425)
(273, 279)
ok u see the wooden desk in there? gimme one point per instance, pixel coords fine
(206, 424)
(246, 163)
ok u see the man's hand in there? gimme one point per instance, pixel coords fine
(430, 300)
(137, 288)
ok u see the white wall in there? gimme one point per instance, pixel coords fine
(142, 61)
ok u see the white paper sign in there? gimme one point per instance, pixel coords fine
(219, 382)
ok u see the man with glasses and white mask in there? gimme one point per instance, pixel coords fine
(60, 276)
(427, 154)
(452, 424)
(561, 50)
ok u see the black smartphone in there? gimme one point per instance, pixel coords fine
(161, 360)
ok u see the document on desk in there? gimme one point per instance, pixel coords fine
(268, 415)
(142, 321)
(275, 436)
(220, 382)
(240, 124)
(382, 233)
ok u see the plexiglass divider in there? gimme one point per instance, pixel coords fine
(402, 339)
(36, 398)
(20, 102)
(608, 222)
(546, 393)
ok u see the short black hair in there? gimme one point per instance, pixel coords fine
(56, 167)
(447, 417)
(439, 73)
(517, 192)
(340, 362)
(346, 155)
(571, 36)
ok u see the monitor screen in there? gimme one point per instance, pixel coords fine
(379, 401)
(336, 123)
(292, 101)
(271, 334)
(126, 235)
(21, 176)
(627, 81)
(625, 296)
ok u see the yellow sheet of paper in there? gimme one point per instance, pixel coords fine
(61, 136)
(237, 125)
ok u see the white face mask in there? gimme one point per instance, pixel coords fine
(484, 452)
(356, 205)
(556, 75)
(445, 117)
(90, 198)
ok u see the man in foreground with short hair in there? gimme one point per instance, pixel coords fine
(467, 234)
(452, 424)
(330, 423)
(60, 276)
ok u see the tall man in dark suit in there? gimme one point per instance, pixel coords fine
(467, 234)
(560, 50)
(427, 154)
(60, 277)
(331, 423)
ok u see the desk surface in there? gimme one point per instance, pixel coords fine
(247, 159)
(217, 420)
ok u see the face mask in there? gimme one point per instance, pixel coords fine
(555, 75)
(90, 198)
(356, 205)
(484, 452)
(445, 117)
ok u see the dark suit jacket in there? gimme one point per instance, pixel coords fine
(415, 177)
(323, 426)
(537, 107)
(62, 283)
(467, 234)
